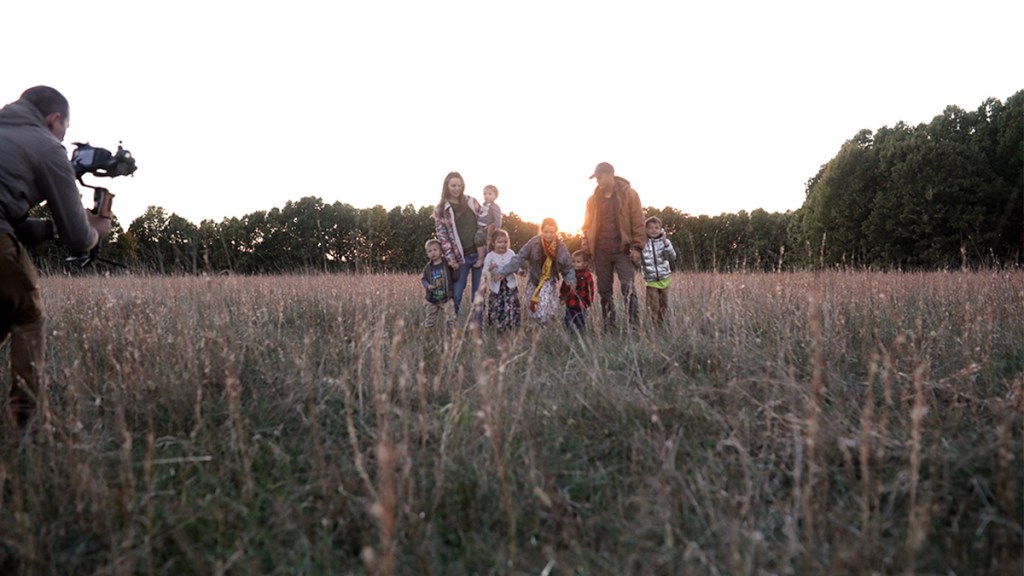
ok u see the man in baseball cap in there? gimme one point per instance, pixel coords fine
(613, 235)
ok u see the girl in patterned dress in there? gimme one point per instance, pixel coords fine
(503, 294)
(549, 264)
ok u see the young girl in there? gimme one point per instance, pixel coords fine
(503, 297)
(549, 263)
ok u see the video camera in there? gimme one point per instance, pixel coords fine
(87, 159)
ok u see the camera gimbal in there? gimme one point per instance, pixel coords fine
(86, 159)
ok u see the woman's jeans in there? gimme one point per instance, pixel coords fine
(467, 271)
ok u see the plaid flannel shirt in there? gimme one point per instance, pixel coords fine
(583, 296)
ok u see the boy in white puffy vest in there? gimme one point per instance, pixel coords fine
(657, 257)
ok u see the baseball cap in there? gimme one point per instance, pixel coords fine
(602, 168)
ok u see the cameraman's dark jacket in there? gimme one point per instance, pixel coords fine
(34, 167)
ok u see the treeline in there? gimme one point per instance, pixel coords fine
(943, 194)
(946, 194)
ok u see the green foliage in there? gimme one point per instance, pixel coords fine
(946, 194)
(839, 200)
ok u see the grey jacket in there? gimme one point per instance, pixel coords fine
(658, 255)
(34, 168)
(532, 255)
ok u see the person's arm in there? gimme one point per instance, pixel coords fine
(588, 220)
(565, 264)
(636, 219)
(582, 290)
(36, 230)
(490, 269)
(424, 279)
(669, 251)
(444, 236)
(491, 261)
(55, 179)
(645, 252)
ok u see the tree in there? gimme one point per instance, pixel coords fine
(147, 231)
(410, 229)
(519, 231)
(942, 194)
(766, 239)
(371, 240)
(839, 199)
(1005, 151)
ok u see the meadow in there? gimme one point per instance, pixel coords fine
(799, 423)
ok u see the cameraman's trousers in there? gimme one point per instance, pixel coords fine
(21, 317)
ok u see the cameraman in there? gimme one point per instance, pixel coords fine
(34, 168)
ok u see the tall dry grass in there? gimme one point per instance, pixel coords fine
(778, 424)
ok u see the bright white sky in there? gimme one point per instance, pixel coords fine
(708, 107)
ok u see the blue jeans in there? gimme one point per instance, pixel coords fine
(465, 272)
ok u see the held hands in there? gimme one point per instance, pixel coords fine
(492, 270)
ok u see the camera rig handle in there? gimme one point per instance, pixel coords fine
(102, 200)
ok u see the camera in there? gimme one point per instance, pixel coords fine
(88, 159)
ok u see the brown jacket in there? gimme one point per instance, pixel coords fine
(631, 218)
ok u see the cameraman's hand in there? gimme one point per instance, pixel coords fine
(100, 224)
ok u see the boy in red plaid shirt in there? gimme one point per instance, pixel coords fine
(578, 298)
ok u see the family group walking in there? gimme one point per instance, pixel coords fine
(470, 245)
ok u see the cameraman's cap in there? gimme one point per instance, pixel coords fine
(603, 168)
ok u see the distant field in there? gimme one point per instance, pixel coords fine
(835, 423)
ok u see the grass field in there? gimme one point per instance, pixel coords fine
(834, 423)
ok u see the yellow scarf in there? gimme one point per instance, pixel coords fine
(550, 252)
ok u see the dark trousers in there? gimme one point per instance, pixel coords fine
(21, 317)
(576, 319)
(619, 264)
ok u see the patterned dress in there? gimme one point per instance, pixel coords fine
(503, 307)
(503, 310)
(547, 307)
